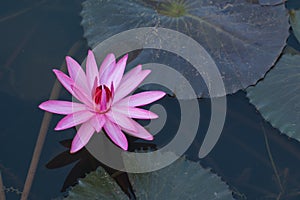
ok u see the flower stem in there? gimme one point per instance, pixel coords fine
(36, 154)
(272, 160)
(16, 14)
(43, 131)
(2, 194)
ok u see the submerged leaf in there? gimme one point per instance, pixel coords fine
(277, 96)
(243, 37)
(181, 180)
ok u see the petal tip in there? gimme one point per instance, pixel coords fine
(55, 71)
(111, 55)
(123, 60)
(149, 138)
(74, 149)
(161, 94)
(124, 146)
(42, 105)
(91, 55)
(68, 58)
(125, 57)
(138, 67)
(154, 116)
(147, 71)
(57, 128)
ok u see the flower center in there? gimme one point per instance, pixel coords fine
(102, 98)
(172, 9)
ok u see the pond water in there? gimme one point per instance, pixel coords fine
(36, 35)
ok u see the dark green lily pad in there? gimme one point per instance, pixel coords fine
(270, 2)
(181, 180)
(243, 37)
(277, 96)
(295, 22)
(97, 185)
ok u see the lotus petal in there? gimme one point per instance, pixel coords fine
(62, 107)
(82, 137)
(130, 83)
(74, 119)
(91, 70)
(141, 99)
(115, 134)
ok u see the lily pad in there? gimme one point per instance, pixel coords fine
(244, 38)
(277, 96)
(270, 2)
(295, 22)
(181, 180)
(96, 185)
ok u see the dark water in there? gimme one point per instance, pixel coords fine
(37, 35)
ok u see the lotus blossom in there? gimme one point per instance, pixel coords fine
(103, 101)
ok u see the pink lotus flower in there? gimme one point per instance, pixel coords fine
(104, 101)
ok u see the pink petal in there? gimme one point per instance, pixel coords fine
(97, 122)
(106, 68)
(112, 90)
(82, 96)
(91, 69)
(136, 113)
(121, 120)
(77, 74)
(141, 99)
(130, 84)
(115, 134)
(64, 80)
(74, 119)
(141, 132)
(95, 85)
(117, 73)
(61, 107)
(82, 137)
(133, 72)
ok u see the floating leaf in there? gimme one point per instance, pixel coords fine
(181, 180)
(295, 22)
(270, 2)
(277, 96)
(243, 37)
(96, 185)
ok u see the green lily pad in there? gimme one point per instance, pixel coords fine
(270, 2)
(277, 96)
(181, 180)
(295, 22)
(96, 185)
(243, 37)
